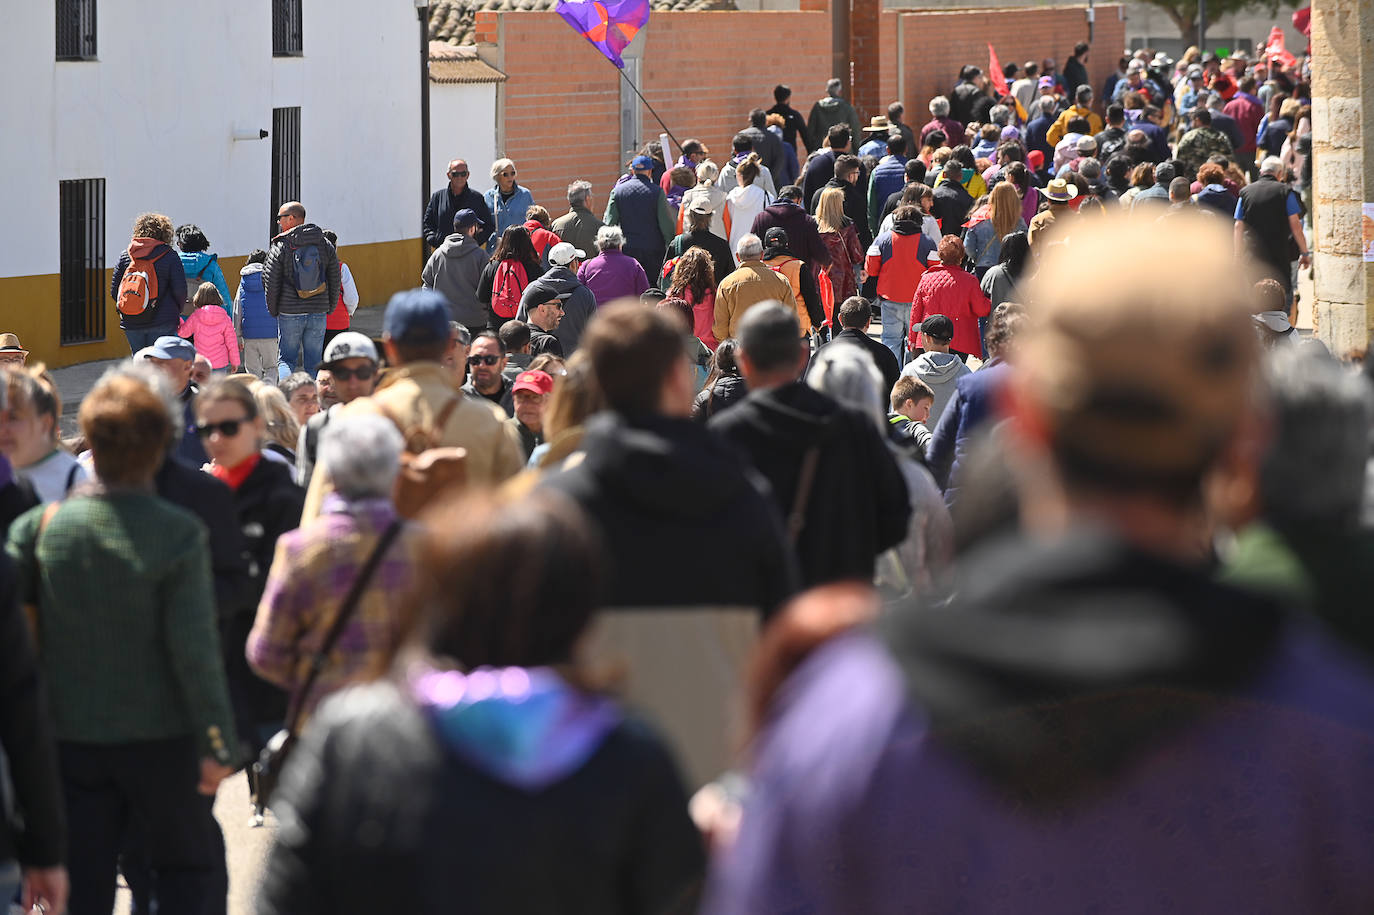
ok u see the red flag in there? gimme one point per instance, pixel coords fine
(999, 80)
(1274, 49)
(1302, 20)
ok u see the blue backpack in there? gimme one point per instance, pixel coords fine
(309, 271)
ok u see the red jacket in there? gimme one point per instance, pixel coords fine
(897, 258)
(954, 293)
(543, 239)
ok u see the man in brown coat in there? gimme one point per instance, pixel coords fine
(752, 283)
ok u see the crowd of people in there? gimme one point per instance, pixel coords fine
(628, 572)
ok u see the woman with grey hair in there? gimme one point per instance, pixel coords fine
(316, 566)
(848, 375)
(612, 274)
(507, 200)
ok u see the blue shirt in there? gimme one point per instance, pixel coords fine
(1292, 206)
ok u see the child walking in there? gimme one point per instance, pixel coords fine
(212, 329)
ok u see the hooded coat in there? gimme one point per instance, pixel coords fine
(165, 311)
(941, 372)
(203, 267)
(454, 269)
(578, 307)
(857, 505)
(278, 274)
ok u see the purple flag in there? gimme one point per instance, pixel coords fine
(610, 25)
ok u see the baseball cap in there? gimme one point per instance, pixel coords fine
(1046, 82)
(1087, 145)
(1139, 384)
(701, 205)
(535, 382)
(1011, 133)
(938, 328)
(349, 345)
(417, 317)
(464, 218)
(641, 162)
(169, 347)
(563, 253)
(1195, 72)
(775, 235)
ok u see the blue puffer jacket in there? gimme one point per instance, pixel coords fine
(257, 322)
(203, 267)
(889, 176)
(507, 213)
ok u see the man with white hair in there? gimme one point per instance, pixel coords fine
(832, 110)
(1268, 214)
(612, 274)
(316, 566)
(753, 283)
(578, 226)
(941, 121)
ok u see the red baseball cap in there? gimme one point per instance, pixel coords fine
(534, 382)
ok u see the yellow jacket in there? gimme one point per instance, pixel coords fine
(1061, 126)
(752, 283)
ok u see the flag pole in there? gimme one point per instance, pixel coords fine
(632, 85)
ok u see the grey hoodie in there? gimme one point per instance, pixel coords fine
(453, 270)
(940, 371)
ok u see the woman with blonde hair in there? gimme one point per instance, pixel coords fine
(707, 192)
(280, 429)
(990, 224)
(842, 241)
(30, 407)
(745, 202)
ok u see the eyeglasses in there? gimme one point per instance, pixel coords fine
(483, 360)
(558, 305)
(457, 174)
(229, 428)
(281, 216)
(362, 373)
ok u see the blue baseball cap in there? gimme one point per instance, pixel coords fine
(169, 347)
(417, 317)
(641, 162)
(464, 218)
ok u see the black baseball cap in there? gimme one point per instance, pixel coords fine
(938, 328)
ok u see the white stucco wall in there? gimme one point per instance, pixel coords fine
(153, 117)
(462, 125)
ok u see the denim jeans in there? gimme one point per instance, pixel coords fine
(141, 337)
(896, 324)
(296, 333)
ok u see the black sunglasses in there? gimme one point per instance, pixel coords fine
(362, 373)
(457, 174)
(483, 360)
(229, 428)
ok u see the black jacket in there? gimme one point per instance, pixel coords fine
(38, 835)
(950, 206)
(443, 204)
(16, 497)
(279, 273)
(213, 503)
(964, 101)
(722, 261)
(378, 815)
(542, 342)
(721, 394)
(882, 356)
(769, 149)
(858, 504)
(685, 522)
(803, 236)
(793, 126)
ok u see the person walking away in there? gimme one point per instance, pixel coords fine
(30, 434)
(640, 208)
(341, 318)
(506, 201)
(788, 213)
(199, 265)
(777, 253)
(578, 226)
(352, 362)
(793, 124)
(512, 267)
(315, 567)
(445, 203)
(724, 386)
(529, 757)
(828, 467)
(1269, 224)
(267, 504)
(699, 234)
(832, 111)
(947, 289)
(560, 281)
(820, 167)
(745, 202)
(705, 198)
(213, 330)
(754, 282)
(254, 324)
(888, 178)
(987, 227)
(302, 282)
(694, 281)
(841, 240)
(455, 271)
(853, 316)
(148, 284)
(896, 260)
(936, 367)
(145, 733)
(612, 274)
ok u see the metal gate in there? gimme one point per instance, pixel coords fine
(82, 264)
(286, 160)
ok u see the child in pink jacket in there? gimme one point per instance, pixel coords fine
(213, 330)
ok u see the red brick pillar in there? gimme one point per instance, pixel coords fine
(864, 21)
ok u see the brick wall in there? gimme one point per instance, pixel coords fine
(938, 43)
(704, 71)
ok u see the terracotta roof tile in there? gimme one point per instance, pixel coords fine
(452, 21)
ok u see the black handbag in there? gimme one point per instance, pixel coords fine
(267, 770)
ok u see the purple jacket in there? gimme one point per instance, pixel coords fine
(1077, 734)
(613, 275)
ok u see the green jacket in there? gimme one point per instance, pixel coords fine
(127, 637)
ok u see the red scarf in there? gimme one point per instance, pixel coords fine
(234, 476)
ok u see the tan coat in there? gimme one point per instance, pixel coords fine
(752, 283)
(413, 396)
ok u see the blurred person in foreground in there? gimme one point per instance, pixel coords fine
(484, 773)
(1068, 733)
(125, 624)
(698, 556)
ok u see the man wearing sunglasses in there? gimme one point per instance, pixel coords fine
(486, 362)
(352, 362)
(445, 203)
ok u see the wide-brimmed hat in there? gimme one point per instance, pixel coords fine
(877, 124)
(9, 343)
(1060, 191)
